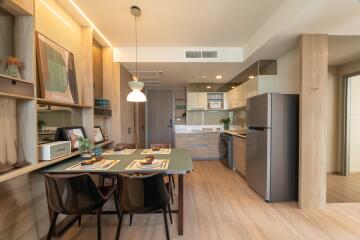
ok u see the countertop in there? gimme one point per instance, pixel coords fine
(197, 131)
(237, 133)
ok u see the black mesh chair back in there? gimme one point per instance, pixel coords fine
(72, 194)
(144, 193)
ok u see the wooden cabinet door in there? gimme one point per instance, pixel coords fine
(202, 100)
(191, 100)
(242, 160)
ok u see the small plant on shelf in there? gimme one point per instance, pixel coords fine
(226, 122)
(13, 65)
(85, 148)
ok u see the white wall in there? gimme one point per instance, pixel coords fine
(354, 118)
(288, 68)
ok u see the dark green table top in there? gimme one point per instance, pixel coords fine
(180, 163)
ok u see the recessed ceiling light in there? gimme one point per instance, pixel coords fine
(251, 76)
(203, 76)
(208, 86)
(218, 77)
(232, 87)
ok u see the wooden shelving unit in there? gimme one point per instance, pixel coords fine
(19, 97)
(41, 164)
(179, 107)
(61, 104)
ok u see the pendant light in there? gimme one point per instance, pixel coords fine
(136, 95)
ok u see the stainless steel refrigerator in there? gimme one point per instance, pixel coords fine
(272, 148)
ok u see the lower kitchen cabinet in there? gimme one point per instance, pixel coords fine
(202, 145)
(239, 154)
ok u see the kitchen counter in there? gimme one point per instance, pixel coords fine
(237, 133)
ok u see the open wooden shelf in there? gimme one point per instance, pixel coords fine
(61, 104)
(102, 112)
(41, 164)
(16, 88)
(15, 8)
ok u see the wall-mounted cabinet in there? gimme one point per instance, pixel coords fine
(196, 101)
(236, 97)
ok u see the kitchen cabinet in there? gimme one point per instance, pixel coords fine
(239, 154)
(201, 145)
(196, 100)
(260, 84)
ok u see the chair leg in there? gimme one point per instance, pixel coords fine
(131, 216)
(170, 215)
(79, 221)
(172, 180)
(52, 225)
(98, 215)
(166, 224)
(116, 203)
(119, 227)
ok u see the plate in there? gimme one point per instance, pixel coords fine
(156, 163)
(95, 165)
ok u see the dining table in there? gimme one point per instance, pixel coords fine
(179, 164)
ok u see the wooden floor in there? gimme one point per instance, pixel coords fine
(220, 205)
(342, 189)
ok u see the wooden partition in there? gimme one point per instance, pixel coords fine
(314, 69)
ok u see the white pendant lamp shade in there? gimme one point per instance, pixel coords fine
(136, 95)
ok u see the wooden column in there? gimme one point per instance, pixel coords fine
(314, 68)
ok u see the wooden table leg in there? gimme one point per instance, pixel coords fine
(181, 204)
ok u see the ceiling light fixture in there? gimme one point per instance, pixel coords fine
(218, 77)
(208, 86)
(136, 95)
(232, 87)
(251, 76)
(90, 22)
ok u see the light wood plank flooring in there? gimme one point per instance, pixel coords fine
(220, 205)
(342, 189)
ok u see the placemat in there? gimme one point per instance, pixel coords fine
(133, 166)
(161, 151)
(107, 165)
(123, 152)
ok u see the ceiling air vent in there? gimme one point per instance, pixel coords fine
(201, 54)
(209, 54)
(192, 54)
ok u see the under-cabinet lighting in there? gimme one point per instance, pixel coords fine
(208, 87)
(55, 13)
(251, 76)
(90, 22)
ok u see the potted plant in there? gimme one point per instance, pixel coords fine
(13, 65)
(226, 122)
(85, 148)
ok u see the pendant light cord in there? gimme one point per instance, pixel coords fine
(136, 50)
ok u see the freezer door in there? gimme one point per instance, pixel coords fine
(258, 111)
(258, 161)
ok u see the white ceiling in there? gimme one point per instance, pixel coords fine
(176, 75)
(180, 23)
(343, 49)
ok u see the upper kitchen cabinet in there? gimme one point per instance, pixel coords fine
(196, 100)
(259, 78)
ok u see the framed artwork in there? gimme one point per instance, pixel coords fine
(71, 134)
(56, 71)
(98, 135)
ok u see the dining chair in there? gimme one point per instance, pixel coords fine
(144, 193)
(114, 177)
(171, 176)
(76, 195)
